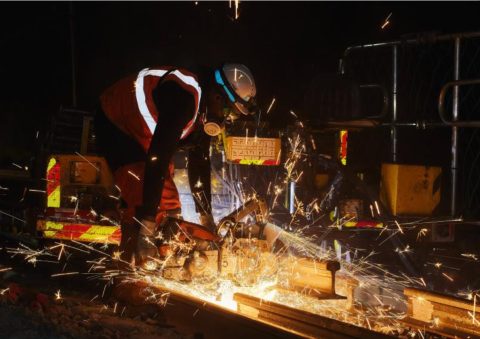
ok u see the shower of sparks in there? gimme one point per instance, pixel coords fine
(134, 175)
(91, 164)
(371, 279)
(474, 309)
(447, 276)
(237, 3)
(405, 250)
(58, 295)
(76, 206)
(474, 319)
(36, 191)
(422, 233)
(470, 255)
(386, 22)
(398, 226)
(312, 140)
(110, 220)
(380, 305)
(116, 255)
(271, 105)
(64, 274)
(60, 252)
(142, 224)
(12, 216)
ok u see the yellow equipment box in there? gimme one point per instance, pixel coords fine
(410, 189)
(81, 201)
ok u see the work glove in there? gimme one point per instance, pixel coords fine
(146, 241)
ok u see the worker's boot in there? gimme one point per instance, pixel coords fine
(146, 248)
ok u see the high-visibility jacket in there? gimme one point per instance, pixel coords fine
(130, 106)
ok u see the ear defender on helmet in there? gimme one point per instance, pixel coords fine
(213, 118)
(212, 128)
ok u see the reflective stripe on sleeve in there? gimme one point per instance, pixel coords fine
(140, 95)
(141, 98)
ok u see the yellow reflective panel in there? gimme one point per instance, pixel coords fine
(51, 163)
(51, 225)
(49, 234)
(53, 199)
(343, 146)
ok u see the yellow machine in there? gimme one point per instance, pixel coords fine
(81, 201)
(410, 189)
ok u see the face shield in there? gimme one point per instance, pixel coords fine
(238, 85)
(233, 98)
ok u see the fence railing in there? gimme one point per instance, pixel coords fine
(426, 74)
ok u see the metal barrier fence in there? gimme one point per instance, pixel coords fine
(434, 81)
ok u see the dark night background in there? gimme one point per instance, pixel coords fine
(284, 43)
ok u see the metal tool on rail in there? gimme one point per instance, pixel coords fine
(442, 315)
(246, 249)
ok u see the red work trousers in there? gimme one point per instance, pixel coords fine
(129, 178)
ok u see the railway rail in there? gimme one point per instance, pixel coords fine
(442, 314)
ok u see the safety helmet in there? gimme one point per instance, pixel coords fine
(238, 84)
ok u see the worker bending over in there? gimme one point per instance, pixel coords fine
(144, 118)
